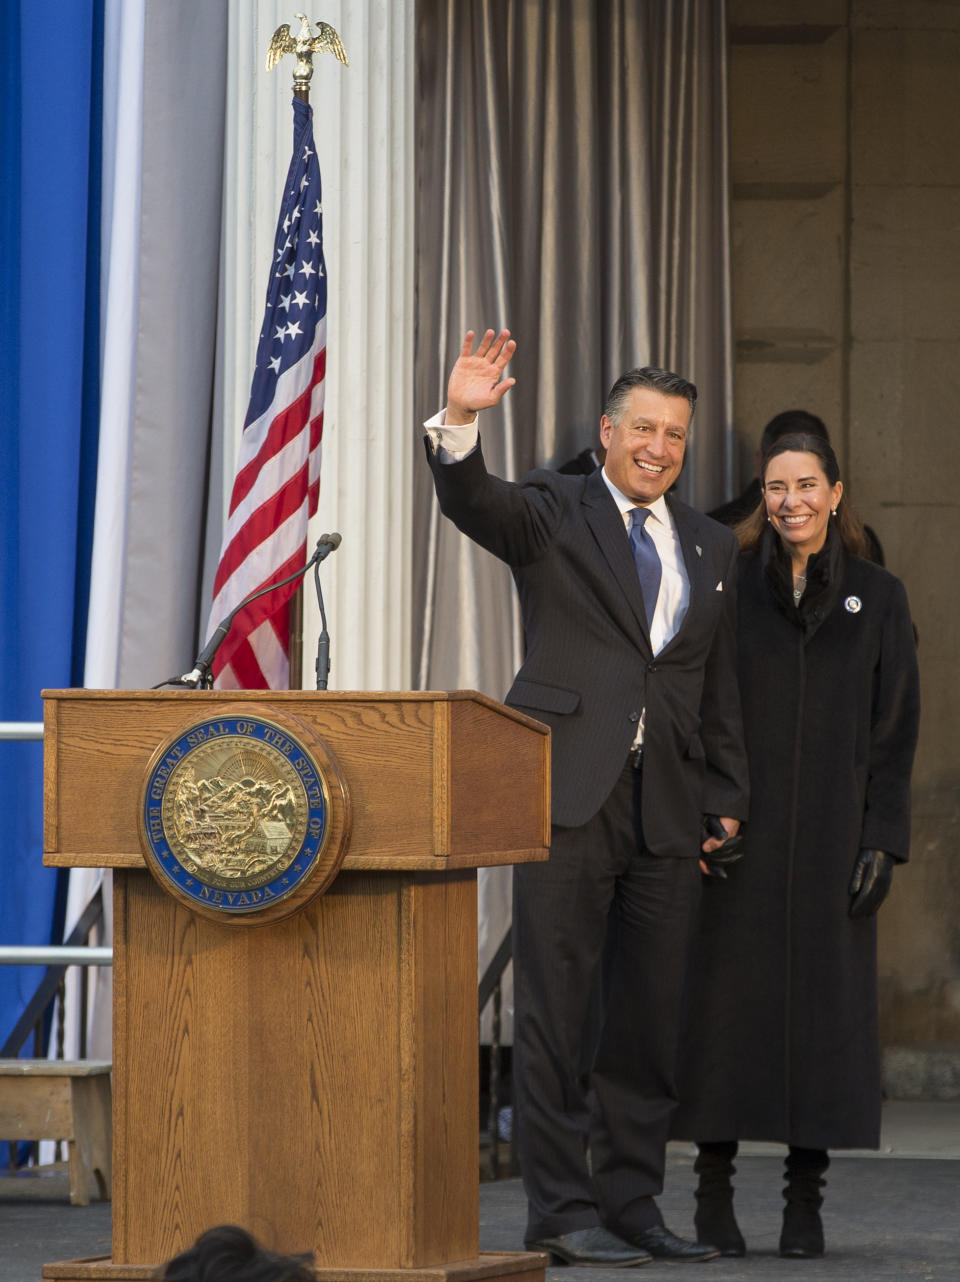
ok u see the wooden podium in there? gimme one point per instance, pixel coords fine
(313, 1079)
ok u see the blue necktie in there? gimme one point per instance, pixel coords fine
(647, 561)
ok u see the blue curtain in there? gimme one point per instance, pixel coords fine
(50, 81)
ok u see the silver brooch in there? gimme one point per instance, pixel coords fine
(853, 604)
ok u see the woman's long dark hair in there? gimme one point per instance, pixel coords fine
(749, 531)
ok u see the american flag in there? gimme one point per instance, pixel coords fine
(278, 471)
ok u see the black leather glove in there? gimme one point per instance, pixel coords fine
(728, 853)
(872, 876)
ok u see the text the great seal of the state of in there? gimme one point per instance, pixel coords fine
(235, 813)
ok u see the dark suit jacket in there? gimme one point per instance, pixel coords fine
(589, 669)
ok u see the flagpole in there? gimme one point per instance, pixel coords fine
(301, 91)
(304, 45)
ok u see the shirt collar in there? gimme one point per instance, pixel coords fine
(658, 508)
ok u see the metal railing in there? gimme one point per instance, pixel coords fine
(71, 953)
(21, 729)
(55, 954)
(74, 951)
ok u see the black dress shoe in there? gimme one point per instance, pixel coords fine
(664, 1245)
(596, 1247)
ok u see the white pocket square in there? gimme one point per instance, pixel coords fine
(719, 587)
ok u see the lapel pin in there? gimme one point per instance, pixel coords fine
(853, 604)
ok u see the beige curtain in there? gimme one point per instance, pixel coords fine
(572, 185)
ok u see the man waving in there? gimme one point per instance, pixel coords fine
(628, 606)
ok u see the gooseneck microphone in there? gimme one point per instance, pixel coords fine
(326, 544)
(322, 665)
(201, 676)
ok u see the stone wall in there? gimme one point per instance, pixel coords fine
(845, 158)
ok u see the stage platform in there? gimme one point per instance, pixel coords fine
(888, 1217)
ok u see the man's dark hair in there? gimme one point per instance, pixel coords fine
(658, 380)
(228, 1253)
(792, 423)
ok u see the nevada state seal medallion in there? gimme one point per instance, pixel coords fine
(235, 816)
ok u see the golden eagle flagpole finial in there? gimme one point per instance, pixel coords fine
(304, 44)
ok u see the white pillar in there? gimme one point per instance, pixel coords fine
(363, 124)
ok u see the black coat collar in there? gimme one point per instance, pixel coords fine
(824, 575)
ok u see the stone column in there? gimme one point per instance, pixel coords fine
(905, 456)
(846, 262)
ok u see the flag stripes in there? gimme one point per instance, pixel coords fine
(277, 481)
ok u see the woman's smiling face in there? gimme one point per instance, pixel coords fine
(799, 499)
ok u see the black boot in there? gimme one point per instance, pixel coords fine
(714, 1219)
(802, 1234)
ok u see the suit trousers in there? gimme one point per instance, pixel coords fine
(602, 900)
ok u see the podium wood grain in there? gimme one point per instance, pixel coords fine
(324, 1096)
(314, 1078)
(436, 780)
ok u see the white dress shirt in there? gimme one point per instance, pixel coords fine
(451, 444)
(674, 595)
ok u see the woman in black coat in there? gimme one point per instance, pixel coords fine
(782, 1042)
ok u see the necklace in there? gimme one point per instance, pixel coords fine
(799, 583)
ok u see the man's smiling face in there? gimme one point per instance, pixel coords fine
(645, 448)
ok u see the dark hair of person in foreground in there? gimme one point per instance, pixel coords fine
(228, 1253)
(750, 531)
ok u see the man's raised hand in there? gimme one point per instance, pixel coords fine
(476, 381)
